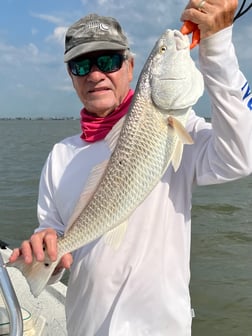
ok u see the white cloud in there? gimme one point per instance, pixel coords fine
(21, 57)
(58, 35)
(102, 2)
(32, 70)
(49, 18)
(32, 50)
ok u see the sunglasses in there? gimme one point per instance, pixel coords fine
(106, 63)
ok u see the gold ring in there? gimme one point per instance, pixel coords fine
(201, 5)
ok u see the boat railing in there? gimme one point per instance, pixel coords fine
(11, 301)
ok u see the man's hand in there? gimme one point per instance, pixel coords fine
(34, 248)
(210, 16)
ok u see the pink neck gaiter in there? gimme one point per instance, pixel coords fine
(95, 128)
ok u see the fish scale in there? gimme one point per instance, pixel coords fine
(149, 139)
(127, 183)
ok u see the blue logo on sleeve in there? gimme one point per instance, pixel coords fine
(247, 92)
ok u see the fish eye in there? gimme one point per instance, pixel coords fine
(162, 49)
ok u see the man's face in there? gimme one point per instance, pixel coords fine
(102, 92)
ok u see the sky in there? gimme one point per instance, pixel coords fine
(33, 78)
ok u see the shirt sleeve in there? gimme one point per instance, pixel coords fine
(48, 215)
(223, 150)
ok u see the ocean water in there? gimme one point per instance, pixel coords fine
(221, 260)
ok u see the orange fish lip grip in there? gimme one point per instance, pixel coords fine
(188, 28)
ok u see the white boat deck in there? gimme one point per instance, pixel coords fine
(43, 316)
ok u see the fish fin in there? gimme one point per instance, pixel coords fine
(89, 189)
(112, 137)
(37, 273)
(177, 155)
(115, 236)
(180, 130)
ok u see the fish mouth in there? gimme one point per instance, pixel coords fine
(181, 41)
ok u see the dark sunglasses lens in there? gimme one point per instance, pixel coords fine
(105, 63)
(80, 68)
(109, 63)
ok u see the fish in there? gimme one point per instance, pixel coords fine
(143, 144)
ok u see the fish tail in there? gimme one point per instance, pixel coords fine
(37, 273)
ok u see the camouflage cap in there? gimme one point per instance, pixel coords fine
(92, 33)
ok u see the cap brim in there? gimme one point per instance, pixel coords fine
(92, 46)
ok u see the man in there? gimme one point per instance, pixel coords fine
(142, 287)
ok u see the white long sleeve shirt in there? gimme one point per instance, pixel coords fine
(142, 288)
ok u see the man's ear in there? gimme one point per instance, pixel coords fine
(70, 74)
(131, 63)
(68, 70)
